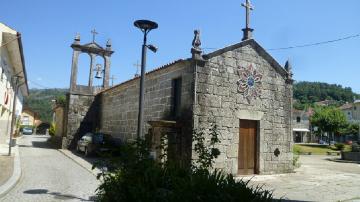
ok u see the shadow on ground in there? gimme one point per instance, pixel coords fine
(38, 144)
(57, 195)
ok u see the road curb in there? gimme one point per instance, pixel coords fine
(15, 177)
(83, 163)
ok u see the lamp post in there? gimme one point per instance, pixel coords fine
(145, 26)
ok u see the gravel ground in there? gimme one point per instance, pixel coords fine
(48, 175)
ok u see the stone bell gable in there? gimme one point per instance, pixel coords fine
(242, 84)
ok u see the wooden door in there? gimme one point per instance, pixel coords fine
(247, 147)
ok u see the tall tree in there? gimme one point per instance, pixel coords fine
(329, 119)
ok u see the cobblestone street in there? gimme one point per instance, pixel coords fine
(48, 175)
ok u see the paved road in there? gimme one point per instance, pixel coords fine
(318, 179)
(48, 175)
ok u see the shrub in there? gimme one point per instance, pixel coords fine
(296, 149)
(339, 146)
(355, 147)
(295, 161)
(137, 177)
(52, 129)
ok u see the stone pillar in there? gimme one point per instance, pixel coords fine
(247, 33)
(92, 67)
(106, 71)
(74, 69)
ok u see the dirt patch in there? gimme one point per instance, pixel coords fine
(6, 168)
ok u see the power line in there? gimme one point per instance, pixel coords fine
(37, 84)
(316, 44)
(307, 45)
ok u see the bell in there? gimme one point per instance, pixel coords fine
(98, 71)
(98, 74)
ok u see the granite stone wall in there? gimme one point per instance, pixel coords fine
(219, 102)
(119, 104)
(81, 117)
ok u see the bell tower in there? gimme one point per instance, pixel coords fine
(81, 114)
(101, 71)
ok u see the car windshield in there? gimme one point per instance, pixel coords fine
(87, 138)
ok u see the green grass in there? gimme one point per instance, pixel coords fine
(315, 149)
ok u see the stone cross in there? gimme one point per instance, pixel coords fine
(249, 8)
(112, 80)
(137, 65)
(94, 33)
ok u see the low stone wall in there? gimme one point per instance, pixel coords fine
(350, 156)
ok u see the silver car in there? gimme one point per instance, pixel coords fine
(86, 144)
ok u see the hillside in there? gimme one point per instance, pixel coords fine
(39, 100)
(306, 93)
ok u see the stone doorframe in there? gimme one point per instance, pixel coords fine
(253, 116)
(157, 130)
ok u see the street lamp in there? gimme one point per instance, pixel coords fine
(145, 26)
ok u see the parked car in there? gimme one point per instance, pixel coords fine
(27, 131)
(90, 143)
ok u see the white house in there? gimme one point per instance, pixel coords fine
(12, 66)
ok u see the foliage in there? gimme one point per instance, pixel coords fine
(206, 153)
(52, 129)
(297, 149)
(339, 146)
(329, 119)
(40, 101)
(311, 148)
(350, 129)
(61, 100)
(310, 92)
(137, 177)
(355, 147)
(295, 161)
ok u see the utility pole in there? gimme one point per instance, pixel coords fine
(13, 117)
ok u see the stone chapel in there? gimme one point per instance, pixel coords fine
(241, 89)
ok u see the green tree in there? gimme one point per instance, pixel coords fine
(329, 119)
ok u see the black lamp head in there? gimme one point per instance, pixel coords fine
(145, 25)
(152, 48)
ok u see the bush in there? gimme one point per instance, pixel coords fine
(339, 146)
(355, 147)
(52, 129)
(138, 177)
(295, 161)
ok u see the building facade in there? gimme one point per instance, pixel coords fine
(240, 88)
(29, 118)
(12, 68)
(302, 130)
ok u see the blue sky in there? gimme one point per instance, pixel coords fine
(49, 27)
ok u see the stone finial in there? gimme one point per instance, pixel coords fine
(77, 38)
(108, 44)
(196, 43)
(288, 68)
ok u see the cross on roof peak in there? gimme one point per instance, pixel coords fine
(249, 8)
(94, 33)
(137, 65)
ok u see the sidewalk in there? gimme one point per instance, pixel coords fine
(10, 169)
(86, 163)
(6, 164)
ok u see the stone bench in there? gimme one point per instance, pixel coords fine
(305, 153)
(337, 153)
